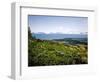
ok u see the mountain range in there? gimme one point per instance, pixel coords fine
(51, 36)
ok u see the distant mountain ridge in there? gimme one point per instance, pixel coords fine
(59, 33)
(51, 36)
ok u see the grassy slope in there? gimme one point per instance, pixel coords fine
(54, 53)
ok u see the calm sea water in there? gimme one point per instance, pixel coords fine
(58, 36)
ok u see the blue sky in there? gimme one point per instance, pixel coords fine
(58, 24)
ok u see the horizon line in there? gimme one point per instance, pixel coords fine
(60, 33)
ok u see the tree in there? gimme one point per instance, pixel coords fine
(29, 33)
(30, 36)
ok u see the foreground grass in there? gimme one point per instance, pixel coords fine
(42, 53)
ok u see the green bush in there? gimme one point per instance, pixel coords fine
(43, 53)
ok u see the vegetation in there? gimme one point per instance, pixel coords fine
(55, 52)
(73, 40)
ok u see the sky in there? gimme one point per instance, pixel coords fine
(58, 24)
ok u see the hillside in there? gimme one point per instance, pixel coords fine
(45, 52)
